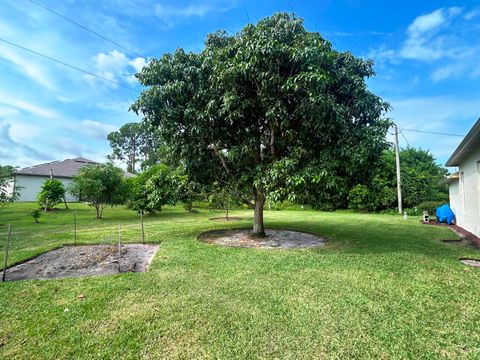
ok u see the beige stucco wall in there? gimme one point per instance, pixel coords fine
(465, 193)
(31, 186)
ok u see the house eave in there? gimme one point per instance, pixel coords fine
(471, 140)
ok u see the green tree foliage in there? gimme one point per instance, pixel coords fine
(222, 198)
(189, 191)
(153, 188)
(272, 111)
(420, 176)
(36, 213)
(51, 194)
(100, 185)
(135, 142)
(9, 192)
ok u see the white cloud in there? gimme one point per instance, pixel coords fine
(171, 13)
(421, 42)
(447, 72)
(14, 151)
(27, 106)
(115, 66)
(96, 129)
(26, 67)
(472, 14)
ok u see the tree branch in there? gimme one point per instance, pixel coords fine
(222, 159)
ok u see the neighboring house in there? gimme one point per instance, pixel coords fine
(30, 179)
(464, 185)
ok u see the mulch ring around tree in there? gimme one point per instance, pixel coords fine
(85, 260)
(470, 262)
(230, 218)
(276, 239)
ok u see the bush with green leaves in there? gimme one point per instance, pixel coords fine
(223, 198)
(154, 188)
(420, 177)
(51, 194)
(100, 185)
(36, 213)
(430, 206)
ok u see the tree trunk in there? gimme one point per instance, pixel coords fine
(65, 202)
(258, 228)
(97, 208)
(226, 213)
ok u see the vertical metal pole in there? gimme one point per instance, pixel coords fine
(397, 162)
(6, 252)
(119, 241)
(143, 230)
(75, 228)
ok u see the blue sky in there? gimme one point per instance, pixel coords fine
(426, 55)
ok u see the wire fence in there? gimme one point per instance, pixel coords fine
(20, 244)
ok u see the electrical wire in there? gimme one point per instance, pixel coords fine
(68, 65)
(86, 28)
(432, 132)
(403, 135)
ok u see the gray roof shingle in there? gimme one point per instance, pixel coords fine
(66, 169)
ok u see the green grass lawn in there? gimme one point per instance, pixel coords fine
(382, 287)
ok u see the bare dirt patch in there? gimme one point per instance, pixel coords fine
(74, 261)
(230, 218)
(276, 239)
(470, 262)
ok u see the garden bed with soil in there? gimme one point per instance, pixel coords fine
(84, 260)
(275, 239)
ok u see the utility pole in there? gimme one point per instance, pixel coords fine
(397, 161)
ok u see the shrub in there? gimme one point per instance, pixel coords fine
(52, 193)
(36, 214)
(430, 206)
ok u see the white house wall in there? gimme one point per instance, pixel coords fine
(31, 186)
(466, 205)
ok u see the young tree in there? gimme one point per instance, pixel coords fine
(222, 198)
(100, 185)
(9, 192)
(272, 111)
(51, 194)
(153, 188)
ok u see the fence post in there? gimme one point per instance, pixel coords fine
(119, 241)
(143, 230)
(6, 252)
(75, 228)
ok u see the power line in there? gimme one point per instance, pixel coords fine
(86, 28)
(403, 135)
(432, 132)
(68, 65)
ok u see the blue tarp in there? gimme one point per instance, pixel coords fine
(445, 214)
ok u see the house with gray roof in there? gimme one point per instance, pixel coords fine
(30, 179)
(464, 185)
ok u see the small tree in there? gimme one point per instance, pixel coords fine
(188, 192)
(223, 198)
(36, 215)
(100, 185)
(52, 193)
(155, 187)
(9, 192)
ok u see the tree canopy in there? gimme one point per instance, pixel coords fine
(51, 194)
(100, 185)
(272, 111)
(134, 143)
(420, 178)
